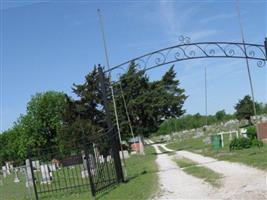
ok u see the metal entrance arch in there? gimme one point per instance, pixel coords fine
(181, 52)
(190, 51)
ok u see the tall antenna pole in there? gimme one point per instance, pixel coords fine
(206, 97)
(247, 63)
(111, 87)
(108, 65)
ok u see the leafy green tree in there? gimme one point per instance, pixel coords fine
(244, 108)
(44, 113)
(261, 108)
(220, 115)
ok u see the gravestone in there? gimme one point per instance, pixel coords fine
(29, 178)
(45, 173)
(109, 158)
(101, 159)
(84, 172)
(52, 167)
(125, 154)
(4, 171)
(92, 164)
(7, 168)
(207, 141)
(16, 179)
(11, 167)
(1, 178)
(36, 164)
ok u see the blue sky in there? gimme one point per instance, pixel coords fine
(49, 45)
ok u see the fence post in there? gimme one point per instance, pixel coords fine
(32, 178)
(114, 140)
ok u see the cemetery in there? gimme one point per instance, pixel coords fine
(186, 119)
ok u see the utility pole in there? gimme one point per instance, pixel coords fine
(245, 51)
(206, 96)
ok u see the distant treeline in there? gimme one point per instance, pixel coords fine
(244, 110)
(188, 122)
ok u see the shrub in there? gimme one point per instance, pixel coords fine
(240, 143)
(257, 143)
(251, 132)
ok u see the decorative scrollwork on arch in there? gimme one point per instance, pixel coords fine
(187, 51)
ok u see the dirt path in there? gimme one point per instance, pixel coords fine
(239, 181)
(175, 183)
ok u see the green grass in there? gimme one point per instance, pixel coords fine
(142, 183)
(13, 191)
(253, 156)
(191, 167)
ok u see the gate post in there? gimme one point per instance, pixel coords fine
(114, 140)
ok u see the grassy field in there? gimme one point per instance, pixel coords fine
(253, 156)
(141, 184)
(191, 167)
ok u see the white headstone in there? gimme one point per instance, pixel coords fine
(1, 178)
(11, 167)
(84, 172)
(101, 159)
(36, 164)
(4, 171)
(7, 168)
(29, 178)
(125, 154)
(45, 174)
(53, 167)
(109, 158)
(16, 179)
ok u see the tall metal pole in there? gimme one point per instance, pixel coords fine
(245, 50)
(114, 143)
(111, 87)
(126, 110)
(206, 97)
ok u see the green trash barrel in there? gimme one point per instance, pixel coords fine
(216, 142)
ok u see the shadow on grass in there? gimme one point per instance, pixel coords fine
(129, 179)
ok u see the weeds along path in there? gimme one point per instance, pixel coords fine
(239, 181)
(175, 183)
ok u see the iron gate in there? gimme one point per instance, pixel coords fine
(92, 166)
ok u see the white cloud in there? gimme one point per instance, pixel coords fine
(175, 20)
(217, 17)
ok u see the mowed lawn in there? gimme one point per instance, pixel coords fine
(253, 156)
(142, 183)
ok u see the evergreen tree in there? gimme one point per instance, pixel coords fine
(148, 103)
(244, 108)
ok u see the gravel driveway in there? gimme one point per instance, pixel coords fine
(239, 182)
